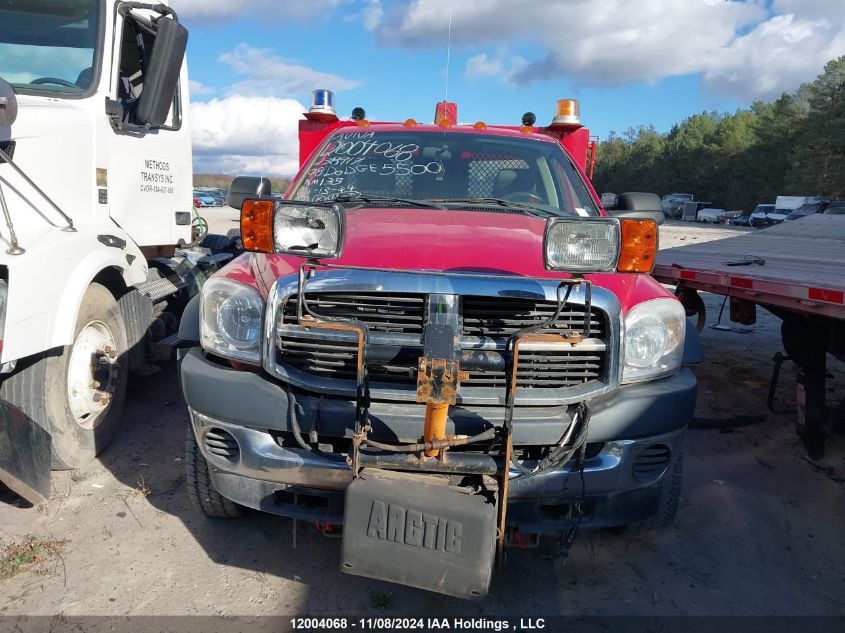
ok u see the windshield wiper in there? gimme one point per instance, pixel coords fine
(509, 204)
(421, 204)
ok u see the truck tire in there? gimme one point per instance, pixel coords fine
(76, 393)
(203, 495)
(667, 506)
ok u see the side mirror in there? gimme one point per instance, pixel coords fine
(8, 104)
(639, 206)
(244, 187)
(162, 75)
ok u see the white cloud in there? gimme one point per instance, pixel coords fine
(263, 67)
(246, 135)
(372, 14)
(199, 90)
(776, 56)
(502, 66)
(750, 49)
(251, 130)
(223, 10)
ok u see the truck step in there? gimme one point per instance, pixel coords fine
(215, 259)
(161, 288)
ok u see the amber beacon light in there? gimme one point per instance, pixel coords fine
(567, 113)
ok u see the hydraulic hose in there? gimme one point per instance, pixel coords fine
(297, 433)
(489, 434)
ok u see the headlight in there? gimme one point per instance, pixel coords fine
(230, 321)
(580, 245)
(310, 231)
(653, 339)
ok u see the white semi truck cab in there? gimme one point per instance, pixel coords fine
(95, 194)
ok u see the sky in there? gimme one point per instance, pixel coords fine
(254, 63)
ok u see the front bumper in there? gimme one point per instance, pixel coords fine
(632, 424)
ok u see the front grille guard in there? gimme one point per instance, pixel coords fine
(431, 455)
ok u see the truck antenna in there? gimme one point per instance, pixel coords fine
(448, 55)
(266, 123)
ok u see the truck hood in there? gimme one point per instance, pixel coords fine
(430, 239)
(445, 240)
(54, 145)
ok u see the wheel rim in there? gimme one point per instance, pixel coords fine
(92, 374)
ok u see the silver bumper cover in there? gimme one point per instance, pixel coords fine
(259, 457)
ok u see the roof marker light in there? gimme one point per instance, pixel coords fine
(410, 122)
(568, 113)
(480, 125)
(362, 123)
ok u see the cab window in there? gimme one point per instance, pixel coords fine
(445, 166)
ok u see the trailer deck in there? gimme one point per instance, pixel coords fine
(795, 265)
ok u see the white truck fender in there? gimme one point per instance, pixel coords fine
(43, 304)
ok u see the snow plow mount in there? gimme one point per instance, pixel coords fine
(410, 507)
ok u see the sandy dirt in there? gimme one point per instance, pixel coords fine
(759, 530)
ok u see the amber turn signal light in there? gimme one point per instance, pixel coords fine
(257, 225)
(639, 246)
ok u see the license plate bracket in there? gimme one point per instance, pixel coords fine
(415, 530)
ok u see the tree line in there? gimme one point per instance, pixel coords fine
(794, 145)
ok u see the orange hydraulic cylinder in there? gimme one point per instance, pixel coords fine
(436, 415)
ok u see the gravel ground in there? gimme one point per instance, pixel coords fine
(759, 530)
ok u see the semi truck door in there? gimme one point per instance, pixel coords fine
(149, 174)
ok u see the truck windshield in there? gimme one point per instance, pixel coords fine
(48, 45)
(462, 167)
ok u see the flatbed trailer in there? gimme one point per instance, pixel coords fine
(796, 270)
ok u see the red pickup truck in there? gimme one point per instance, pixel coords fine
(440, 341)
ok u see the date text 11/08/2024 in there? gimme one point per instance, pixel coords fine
(418, 624)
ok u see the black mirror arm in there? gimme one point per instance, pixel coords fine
(161, 9)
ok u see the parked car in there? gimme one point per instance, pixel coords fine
(766, 215)
(710, 215)
(837, 207)
(205, 199)
(673, 203)
(219, 196)
(609, 200)
(806, 209)
(717, 216)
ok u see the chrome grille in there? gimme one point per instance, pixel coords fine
(388, 312)
(550, 369)
(335, 359)
(502, 316)
(396, 322)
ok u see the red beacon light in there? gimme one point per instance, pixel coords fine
(446, 114)
(568, 114)
(322, 106)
